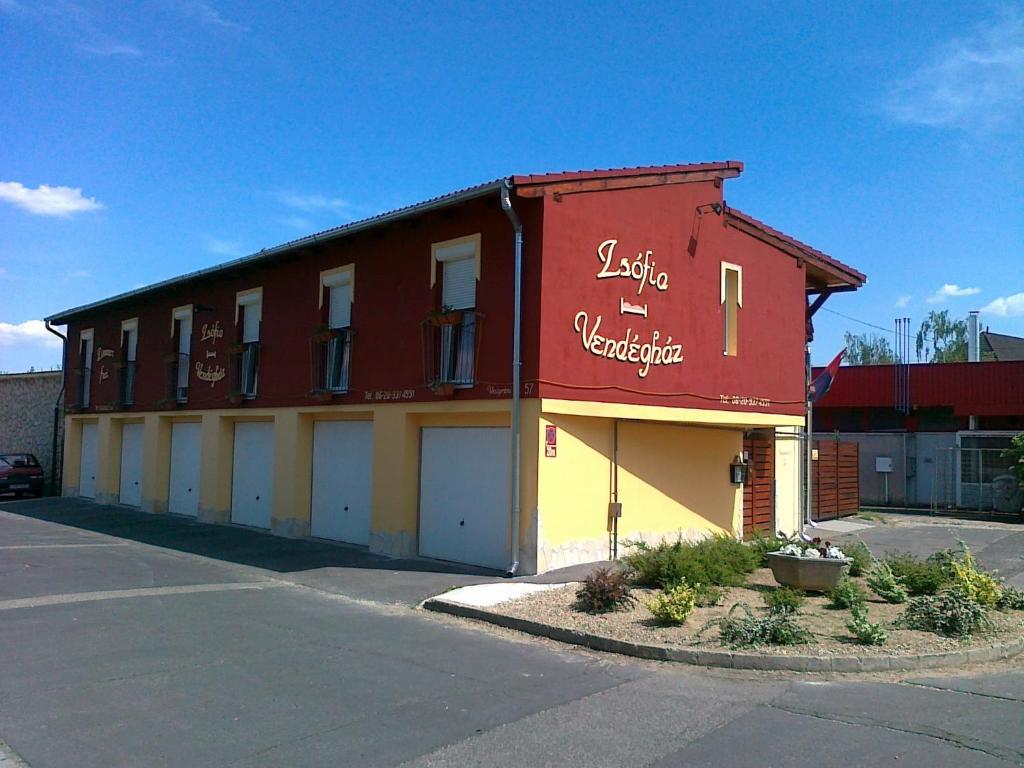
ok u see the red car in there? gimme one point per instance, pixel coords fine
(20, 474)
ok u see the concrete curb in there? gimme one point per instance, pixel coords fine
(731, 659)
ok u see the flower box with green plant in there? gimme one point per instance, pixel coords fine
(814, 567)
(446, 315)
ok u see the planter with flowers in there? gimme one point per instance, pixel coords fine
(815, 567)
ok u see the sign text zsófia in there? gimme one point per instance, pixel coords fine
(629, 348)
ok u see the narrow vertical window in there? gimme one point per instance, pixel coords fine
(335, 351)
(459, 331)
(249, 315)
(85, 368)
(732, 301)
(182, 363)
(129, 348)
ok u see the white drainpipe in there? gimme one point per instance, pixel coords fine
(517, 364)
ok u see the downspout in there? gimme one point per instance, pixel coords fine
(56, 406)
(517, 364)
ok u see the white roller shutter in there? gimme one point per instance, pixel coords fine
(340, 305)
(459, 284)
(251, 322)
(252, 474)
(87, 466)
(132, 439)
(342, 468)
(186, 450)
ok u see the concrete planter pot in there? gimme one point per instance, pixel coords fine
(813, 574)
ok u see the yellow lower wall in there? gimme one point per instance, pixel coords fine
(672, 480)
(672, 477)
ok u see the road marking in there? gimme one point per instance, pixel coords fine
(118, 594)
(62, 546)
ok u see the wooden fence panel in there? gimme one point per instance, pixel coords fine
(836, 478)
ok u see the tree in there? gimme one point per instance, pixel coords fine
(868, 349)
(941, 340)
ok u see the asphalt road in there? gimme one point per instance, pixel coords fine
(117, 650)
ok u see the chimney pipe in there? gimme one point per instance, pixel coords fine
(973, 345)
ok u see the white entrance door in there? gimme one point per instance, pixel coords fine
(342, 462)
(183, 493)
(464, 495)
(131, 465)
(87, 467)
(252, 475)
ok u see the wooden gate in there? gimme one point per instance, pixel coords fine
(758, 492)
(836, 491)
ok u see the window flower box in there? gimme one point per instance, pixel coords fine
(812, 573)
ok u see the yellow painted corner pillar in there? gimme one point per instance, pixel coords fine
(218, 434)
(156, 463)
(788, 486)
(396, 449)
(529, 453)
(108, 460)
(293, 458)
(72, 457)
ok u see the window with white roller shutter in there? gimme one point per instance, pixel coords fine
(334, 355)
(458, 284)
(460, 269)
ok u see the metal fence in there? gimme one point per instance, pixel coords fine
(974, 479)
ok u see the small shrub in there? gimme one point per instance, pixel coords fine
(716, 561)
(708, 595)
(944, 559)
(604, 590)
(762, 545)
(750, 631)
(976, 584)
(784, 600)
(883, 582)
(674, 605)
(952, 613)
(861, 558)
(847, 595)
(920, 577)
(1012, 599)
(862, 629)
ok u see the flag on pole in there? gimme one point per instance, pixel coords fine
(823, 383)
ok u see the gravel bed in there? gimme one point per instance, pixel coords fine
(831, 638)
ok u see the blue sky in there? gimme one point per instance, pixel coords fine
(143, 140)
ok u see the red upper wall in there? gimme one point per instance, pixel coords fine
(769, 364)
(392, 296)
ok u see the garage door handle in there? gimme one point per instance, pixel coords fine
(462, 522)
(257, 498)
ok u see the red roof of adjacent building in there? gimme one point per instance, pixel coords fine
(970, 389)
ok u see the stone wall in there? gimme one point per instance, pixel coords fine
(26, 415)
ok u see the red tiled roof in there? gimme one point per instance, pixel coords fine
(640, 170)
(811, 252)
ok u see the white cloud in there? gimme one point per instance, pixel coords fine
(951, 290)
(111, 49)
(78, 274)
(975, 83)
(298, 222)
(221, 247)
(903, 301)
(205, 13)
(45, 200)
(314, 203)
(29, 332)
(1006, 306)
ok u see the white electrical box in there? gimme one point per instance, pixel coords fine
(883, 464)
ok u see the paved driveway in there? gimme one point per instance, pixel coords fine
(117, 650)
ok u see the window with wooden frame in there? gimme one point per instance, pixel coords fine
(85, 342)
(452, 334)
(732, 301)
(248, 318)
(332, 345)
(129, 348)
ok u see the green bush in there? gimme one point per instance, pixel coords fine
(604, 590)
(920, 577)
(708, 595)
(883, 582)
(750, 631)
(784, 600)
(673, 605)
(847, 594)
(952, 613)
(717, 561)
(860, 556)
(762, 545)
(1012, 599)
(976, 584)
(862, 629)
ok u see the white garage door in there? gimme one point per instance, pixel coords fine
(183, 495)
(87, 467)
(464, 495)
(342, 462)
(252, 476)
(131, 465)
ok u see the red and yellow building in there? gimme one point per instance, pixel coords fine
(517, 375)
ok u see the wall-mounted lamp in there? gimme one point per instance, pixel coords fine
(738, 471)
(716, 208)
